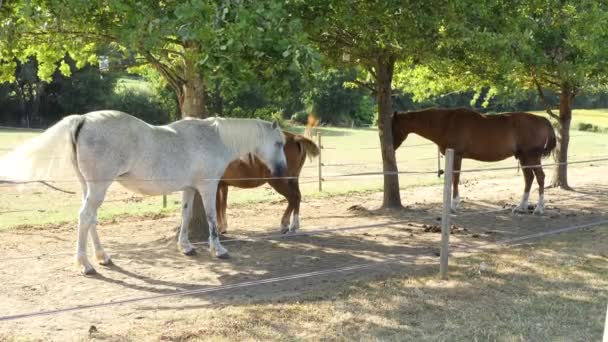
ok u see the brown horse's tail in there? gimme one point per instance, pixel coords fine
(310, 148)
(551, 140)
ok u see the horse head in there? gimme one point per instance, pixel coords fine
(271, 152)
(399, 128)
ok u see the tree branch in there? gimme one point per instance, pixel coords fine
(543, 99)
(181, 54)
(173, 41)
(73, 33)
(174, 80)
(365, 85)
(372, 72)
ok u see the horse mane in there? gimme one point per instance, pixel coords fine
(240, 135)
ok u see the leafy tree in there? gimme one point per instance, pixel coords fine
(191, 44)
(374, 35)
(510, 47)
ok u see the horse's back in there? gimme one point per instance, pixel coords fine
(500, 136)
(115, 145)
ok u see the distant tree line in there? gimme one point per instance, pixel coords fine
(31, 102)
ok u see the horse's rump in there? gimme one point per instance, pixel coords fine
(536, 136)
(309, 147)
(46, 157)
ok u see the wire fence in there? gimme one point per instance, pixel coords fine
(392, 259)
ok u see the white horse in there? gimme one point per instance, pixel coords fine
(188, 155)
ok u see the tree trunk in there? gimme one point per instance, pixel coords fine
(192, 97)
(40, 87)
(384, 76)
(192, 104)
(560, 175)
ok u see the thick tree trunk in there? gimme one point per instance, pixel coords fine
(560, 175)
(192, 104)
(384, 75)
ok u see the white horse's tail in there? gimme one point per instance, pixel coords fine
(47, 157)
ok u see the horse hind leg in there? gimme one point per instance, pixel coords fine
(285, 188)
(540, 179)
(182, 241)
(528, 178)
(87, 222)
(208, 193)
(285, 219)
(222, 204)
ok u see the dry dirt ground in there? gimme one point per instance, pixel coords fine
(37, 273)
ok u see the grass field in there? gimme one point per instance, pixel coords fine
(345, 151)
(597, 117)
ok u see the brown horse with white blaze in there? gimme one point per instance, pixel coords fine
(250, 172)
(487, 138)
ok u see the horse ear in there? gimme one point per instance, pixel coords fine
(275, 125)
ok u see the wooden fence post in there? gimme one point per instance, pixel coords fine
(320, 163)
(605, 339)
(445, 218)
(164, 201)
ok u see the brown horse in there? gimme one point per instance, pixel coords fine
(297, 147)
(487, 138)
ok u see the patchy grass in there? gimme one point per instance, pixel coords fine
(553, 291)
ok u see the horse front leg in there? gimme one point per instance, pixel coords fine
(528, 178)
(296, 198)
(208, 193)
(182, 241)
(455, 183)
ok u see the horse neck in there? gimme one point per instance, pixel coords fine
(241, 136)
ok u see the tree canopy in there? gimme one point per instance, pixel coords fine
(374, 35)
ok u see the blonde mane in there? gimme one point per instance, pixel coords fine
(240, 135)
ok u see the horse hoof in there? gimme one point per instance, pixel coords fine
(107, 263)
(89, 272)
(284, 230)
(191, 252)
(224, 256)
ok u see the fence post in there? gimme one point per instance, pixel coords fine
(320, 163)
(164, 201)
(445, 217)
(605, 339)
